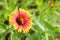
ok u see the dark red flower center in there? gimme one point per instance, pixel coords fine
(19, 21)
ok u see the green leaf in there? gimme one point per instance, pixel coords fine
(13, 36)
(36, 36)
(49, 26)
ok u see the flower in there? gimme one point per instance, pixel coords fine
(51, 4)
(21, 20)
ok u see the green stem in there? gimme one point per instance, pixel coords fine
(3, 35)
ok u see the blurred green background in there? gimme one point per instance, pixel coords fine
(46, 19)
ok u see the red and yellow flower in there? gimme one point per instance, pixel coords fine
(21, 20)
